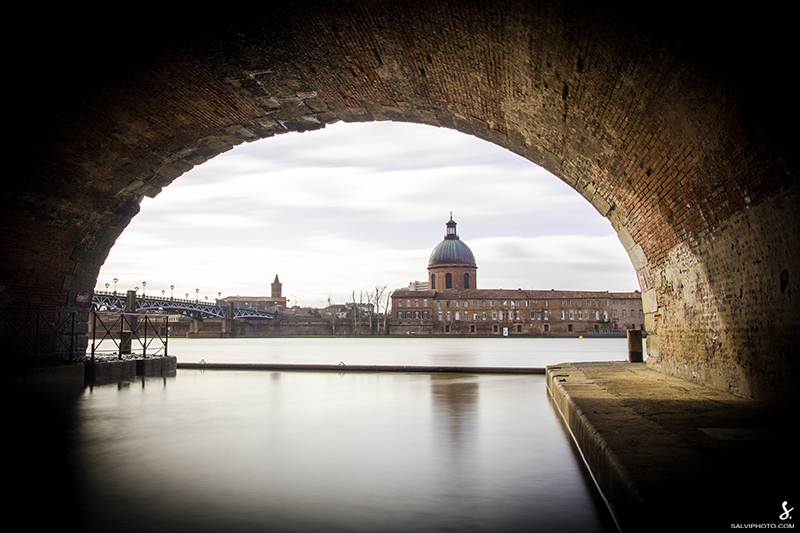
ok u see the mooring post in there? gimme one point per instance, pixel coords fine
(125, 344)
(635, 354)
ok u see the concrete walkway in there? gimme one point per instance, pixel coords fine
(670, 455)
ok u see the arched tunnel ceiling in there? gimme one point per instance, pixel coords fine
(664, 120)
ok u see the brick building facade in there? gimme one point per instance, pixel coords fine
(451, 303)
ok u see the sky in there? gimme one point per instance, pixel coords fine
(353, 207)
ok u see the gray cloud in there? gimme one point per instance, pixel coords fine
(358, 205)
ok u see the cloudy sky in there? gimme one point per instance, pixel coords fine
(355, 206)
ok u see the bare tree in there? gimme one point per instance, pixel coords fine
(333, 315)
(377, 299)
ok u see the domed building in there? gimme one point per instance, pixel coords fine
(451, 303)
(452, 265)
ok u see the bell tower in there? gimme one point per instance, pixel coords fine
(276, 287)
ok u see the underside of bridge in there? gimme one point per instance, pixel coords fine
(675, 125)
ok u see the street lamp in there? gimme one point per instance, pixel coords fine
(115, 286)
(171, 291)
(197, 296)
(144, 284)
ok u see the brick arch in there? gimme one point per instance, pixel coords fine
(673, 137)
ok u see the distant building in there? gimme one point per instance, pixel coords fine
(273, 302)
(452, 304)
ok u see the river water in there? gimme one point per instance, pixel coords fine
(213, 451)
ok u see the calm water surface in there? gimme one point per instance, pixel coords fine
(520, 352)
(211, 451)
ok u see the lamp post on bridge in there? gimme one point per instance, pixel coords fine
(144, 284)
(171, 291)
(115, 286)
(197, 296)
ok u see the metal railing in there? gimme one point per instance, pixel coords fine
(128, 335)
(40, 336)
(36, 337)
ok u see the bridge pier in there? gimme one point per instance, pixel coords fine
(194, 329)
(227, 322)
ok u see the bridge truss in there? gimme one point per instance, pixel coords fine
(193, 308)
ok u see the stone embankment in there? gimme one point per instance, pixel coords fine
(672, 455)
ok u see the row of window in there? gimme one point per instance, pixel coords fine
(503, 303)
(507, 315)
(448, 281)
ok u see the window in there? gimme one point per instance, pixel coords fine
(483, 316)
(458, 315)
(475, 318)
(466, 281)
(448, 281)
(416, 314)
(562, 315)
(425, 315)
(615, 313)
(517, 316)
(472, 328)
(545, 315)
(399, 314)
(547, 327)
(425, 302)
(440, 316)
(572, 315)
(433, 282)
(416, 302)
(569, 327)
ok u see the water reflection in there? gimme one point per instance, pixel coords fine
(455, 409)
(236, 451)
(300, 451)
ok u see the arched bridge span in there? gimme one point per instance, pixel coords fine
(194, 308)
(670, 123)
